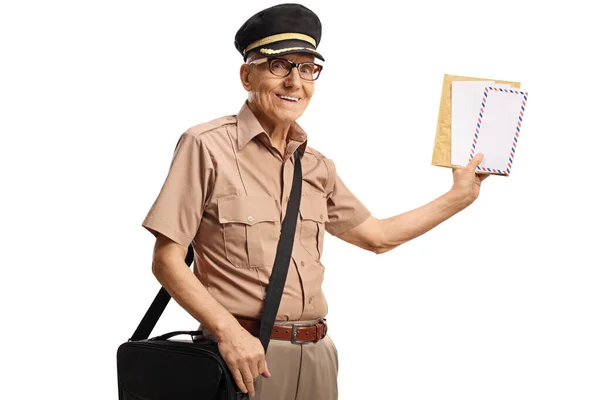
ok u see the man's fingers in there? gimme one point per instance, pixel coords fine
(475, 161)
(263, 368)
(254, 370)
(239, 380)
(248, 380)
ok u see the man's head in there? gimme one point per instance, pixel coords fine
(280, 88)
(279, 47)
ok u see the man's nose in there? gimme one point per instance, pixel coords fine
(293, 79)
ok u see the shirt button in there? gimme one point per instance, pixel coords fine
(302, 263)
(321, 216)
(310, 301)
(250, 218)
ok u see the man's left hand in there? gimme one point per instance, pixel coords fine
(467, 182)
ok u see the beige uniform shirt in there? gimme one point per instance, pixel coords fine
(226, 193)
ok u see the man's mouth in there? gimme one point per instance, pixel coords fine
(288, 98)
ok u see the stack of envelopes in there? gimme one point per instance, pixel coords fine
(479, 115)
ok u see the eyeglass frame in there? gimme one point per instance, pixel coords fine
(294, 65)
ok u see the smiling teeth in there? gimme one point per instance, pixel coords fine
(289, 98)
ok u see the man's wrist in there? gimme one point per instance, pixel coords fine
(456, 200)
(226, 327)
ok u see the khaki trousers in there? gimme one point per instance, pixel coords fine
(306, 371)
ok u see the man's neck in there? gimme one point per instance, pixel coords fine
(277, 132)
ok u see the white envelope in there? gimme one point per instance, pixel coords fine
(466, 101)
(498, 128)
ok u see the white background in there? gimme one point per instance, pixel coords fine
(499, 302)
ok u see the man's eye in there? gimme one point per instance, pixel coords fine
(278, 65)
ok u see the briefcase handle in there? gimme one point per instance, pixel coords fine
(176, 333)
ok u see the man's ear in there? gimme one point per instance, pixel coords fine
(245, 76)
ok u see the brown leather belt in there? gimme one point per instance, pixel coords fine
(296, 333)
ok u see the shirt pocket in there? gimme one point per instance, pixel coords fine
(313, 215)
(251, 229)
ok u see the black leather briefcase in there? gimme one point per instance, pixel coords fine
(193, 369)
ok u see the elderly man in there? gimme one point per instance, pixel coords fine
(226, 193)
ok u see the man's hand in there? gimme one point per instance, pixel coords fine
(244, 356)
(466, 182)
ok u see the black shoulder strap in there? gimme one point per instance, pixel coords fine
(157, 307)
(278, 274)
(282, 257)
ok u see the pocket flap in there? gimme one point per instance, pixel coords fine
(314, 207)
(248, 210)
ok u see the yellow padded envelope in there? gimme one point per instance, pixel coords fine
(442, 145)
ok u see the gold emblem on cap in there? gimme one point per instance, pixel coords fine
(271, 51)
(279, 37)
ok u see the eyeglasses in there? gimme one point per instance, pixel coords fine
(281, 67)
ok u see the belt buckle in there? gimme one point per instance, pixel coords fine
(295, 327)
(295, 333)
(323, 322)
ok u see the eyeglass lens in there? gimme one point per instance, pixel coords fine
(308, 71)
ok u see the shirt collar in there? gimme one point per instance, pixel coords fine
(248, 128)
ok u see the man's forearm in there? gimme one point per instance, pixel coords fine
(185, 288)
(411, 224)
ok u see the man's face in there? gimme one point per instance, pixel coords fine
(280, 99)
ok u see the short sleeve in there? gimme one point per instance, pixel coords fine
(345, 211)
(177, 211)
